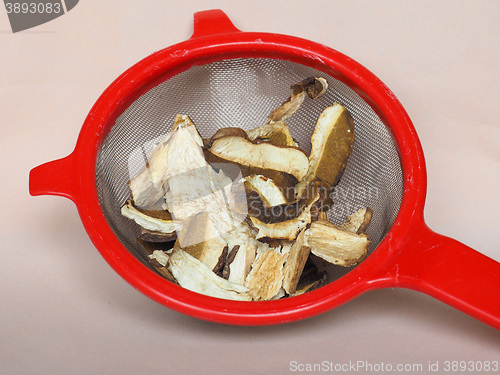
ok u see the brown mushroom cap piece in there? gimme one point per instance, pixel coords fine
(192, 274)
(262, 155)
(156, 237)
(331, 146)
(335, 245)
(157, 221)
(359, 221)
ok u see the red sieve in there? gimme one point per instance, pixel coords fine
(224, 77)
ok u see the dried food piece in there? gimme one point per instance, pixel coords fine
(191, 274)
(159, 261)
(297, 257)
(301, 289)
(359, 221)
(241, 240)
(312, 87)
(287, 230)
(156, 237)
(200, 239)
(285, 181)
(212, 252)
(331, 146)
(269, 193)
(206, 190)
(161, 257)
(163, 223)
(311, 277)
(335, 245)
(266, 277)
(262, 155)
(181, 153)
(226, 271)
(227, 132)
(146, 187)
(276, 133)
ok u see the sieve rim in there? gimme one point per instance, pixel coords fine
(201, 49)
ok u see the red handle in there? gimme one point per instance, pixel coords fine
(54, 178)
(211, 22)
(449, 271)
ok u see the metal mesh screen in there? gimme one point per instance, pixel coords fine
(242, 93)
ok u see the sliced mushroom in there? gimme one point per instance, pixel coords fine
(331, 145)
(276, 133)
(163, 223)
(335, 245)
(312, 87)
(146, 187)
(311, 278)
(262, 155)
(297, 257)
(243, 247)
(359, 221)
(287, 230)
(212, 252)
(266, 277)
(191, 274)
(226, 132)
(160, 256)
(156, 237)
(206, 190)
(285, 181)
(266, 188)
(181, 154)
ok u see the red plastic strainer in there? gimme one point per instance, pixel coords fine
(224, 77)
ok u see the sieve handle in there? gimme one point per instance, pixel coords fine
(54, 178)
(212, 22)
(451, 272)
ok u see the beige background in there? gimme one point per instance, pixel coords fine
(63, 310)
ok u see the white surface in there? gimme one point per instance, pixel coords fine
(65, 311)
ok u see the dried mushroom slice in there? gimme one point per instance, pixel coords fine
(243, 247)
(227, 132)
(161, 223)
(312, 87)
(146, 187)
(285, 181)
(160, 256)
(359, 221)
(269, 193)
(159, 261)
(266, 277)
(276, 133)
(262, 155)
(331, 146)
(212, 252)
(156, 237)
(335, 245)
(287, 230)
(191, 274)
(297, 257)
